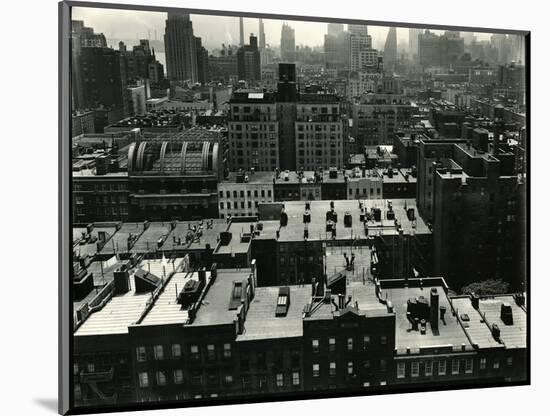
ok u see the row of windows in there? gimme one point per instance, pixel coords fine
(316, 367)
(357, 191)
(176, 352)
(237, 194)
(235, 206)
(366, 342)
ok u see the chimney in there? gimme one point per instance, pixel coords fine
(202, 277)
(506, 314)
(122, 280)
(475, 300)
(434, 309)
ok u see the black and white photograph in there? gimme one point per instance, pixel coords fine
(265, 207)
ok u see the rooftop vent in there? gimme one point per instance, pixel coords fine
(145, 281)
(506, 314)
(283, 302)
(236, 295)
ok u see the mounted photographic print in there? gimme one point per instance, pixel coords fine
(260, 207)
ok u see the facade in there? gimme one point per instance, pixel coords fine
(175, 176)
(288, 44)
(241, 193)
(248, 61)
(471, 196)
(377, 117)
(180, 48)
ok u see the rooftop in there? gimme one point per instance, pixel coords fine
(261, 322)
(215, 306)
(514, 335)
(294, 230)
(448, 334)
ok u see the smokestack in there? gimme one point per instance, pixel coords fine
(434, 309)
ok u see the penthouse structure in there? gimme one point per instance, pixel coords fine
(175, 176)
(473, 200)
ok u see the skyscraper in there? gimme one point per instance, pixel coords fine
(335, 29)
(241, 32)
(390, 49)
(248, 61)
(261, 35)
(288, 43)
(361, 52)
(413, 43)
(358, 30)
(180, 48)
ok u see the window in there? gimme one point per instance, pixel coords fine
(455, 369)
(400, 370)
(315, 345)
(226, 350)
(350, 344)
(332, 369)
(415, 369)
(75, 369)
(483, 363)
(469, 365)
(295, 378)
(141, 354)
(194, 352)
(442, 367)
(77, 392)
(90, 368)
(332, 344)
(350, 367)
(143, 379)
(159, 352)
(428, 368)
(178, 376)
(211, 351)
(496, 364)
(366, 341)
(383, 365)
(161, 378)
(383, 340)
(176, 350)
(228, 379)
(315, 370)
(280, 380)
(509, 361)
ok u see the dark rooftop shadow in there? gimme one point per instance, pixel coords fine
(47, 403)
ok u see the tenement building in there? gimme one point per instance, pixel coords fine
(160, 330)
(471, 196)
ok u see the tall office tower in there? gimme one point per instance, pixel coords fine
(428, 49)
(248, 61)
(103, 80)
(261, 34)
(202, 62)
(288, 43)
(336, 46)
(241, 32)
(335, 29)
(358, 30)
(362, 54)
(180, 48)
(390, 50)
(413, 43)
(468, 37)
(82, 37)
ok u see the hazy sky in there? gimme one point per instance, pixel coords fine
(214, 30)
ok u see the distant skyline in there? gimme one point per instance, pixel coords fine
(130, 25)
